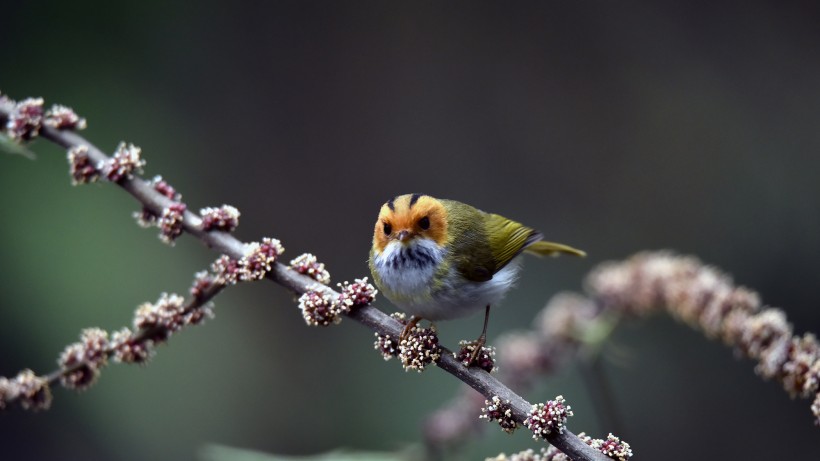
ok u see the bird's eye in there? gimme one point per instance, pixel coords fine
(424, 223)
(387, 229)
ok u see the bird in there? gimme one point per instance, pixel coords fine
(439, 259)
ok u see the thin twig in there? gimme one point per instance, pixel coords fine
(141, 336)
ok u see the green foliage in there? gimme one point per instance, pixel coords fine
(10, 147)
(224, 453)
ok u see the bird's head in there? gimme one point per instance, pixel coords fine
(405, 218)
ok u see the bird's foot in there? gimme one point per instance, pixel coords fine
(405, 332)
(479, 356)
(476, 354)
(478, 347)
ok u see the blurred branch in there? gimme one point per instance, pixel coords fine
(707, 300)
(24, 122)
(700, 295)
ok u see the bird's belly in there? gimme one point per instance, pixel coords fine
(459, 297)
(414, 280)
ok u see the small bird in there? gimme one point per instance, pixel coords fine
(441, 259)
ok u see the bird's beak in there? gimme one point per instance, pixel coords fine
(404, 235)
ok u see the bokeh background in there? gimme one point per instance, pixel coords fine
(613, 126)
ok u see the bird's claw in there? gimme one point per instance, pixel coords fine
(405, 332)
(478, 346)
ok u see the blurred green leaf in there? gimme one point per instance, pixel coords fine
(10, 147)
(225, 453)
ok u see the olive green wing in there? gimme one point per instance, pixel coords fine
(508, 238)
(470, 252)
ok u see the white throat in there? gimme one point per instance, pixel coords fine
(407, 270)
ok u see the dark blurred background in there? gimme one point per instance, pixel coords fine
(612, 126)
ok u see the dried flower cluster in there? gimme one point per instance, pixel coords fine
(612, 446)
(566, 318)
(419, 349)
(524, 355)
(167, 190)
(167, 316)
(498, 410)
(82, 361)
(526, 455)
(320, 307)
(204, 282)
(128, 348)
(357, 294)
(63, 118)
(226, 270)
(485, 359)
(707, 299)
(26, 120)
(82, 170)
(544, 418)
(554, 454)
(123, 164)
(170, 222)
(308, 264)
(259, 259)
(29, 390)
(224, 218)
(172, 217)
(387, 346)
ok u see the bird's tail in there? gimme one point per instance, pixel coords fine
(544, 248)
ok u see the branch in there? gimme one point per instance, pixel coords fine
(23, 122)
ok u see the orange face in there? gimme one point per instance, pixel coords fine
(408, 217)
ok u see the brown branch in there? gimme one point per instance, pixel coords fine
(369, 316)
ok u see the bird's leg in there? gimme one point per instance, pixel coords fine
(481, 341)
(405, 332)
